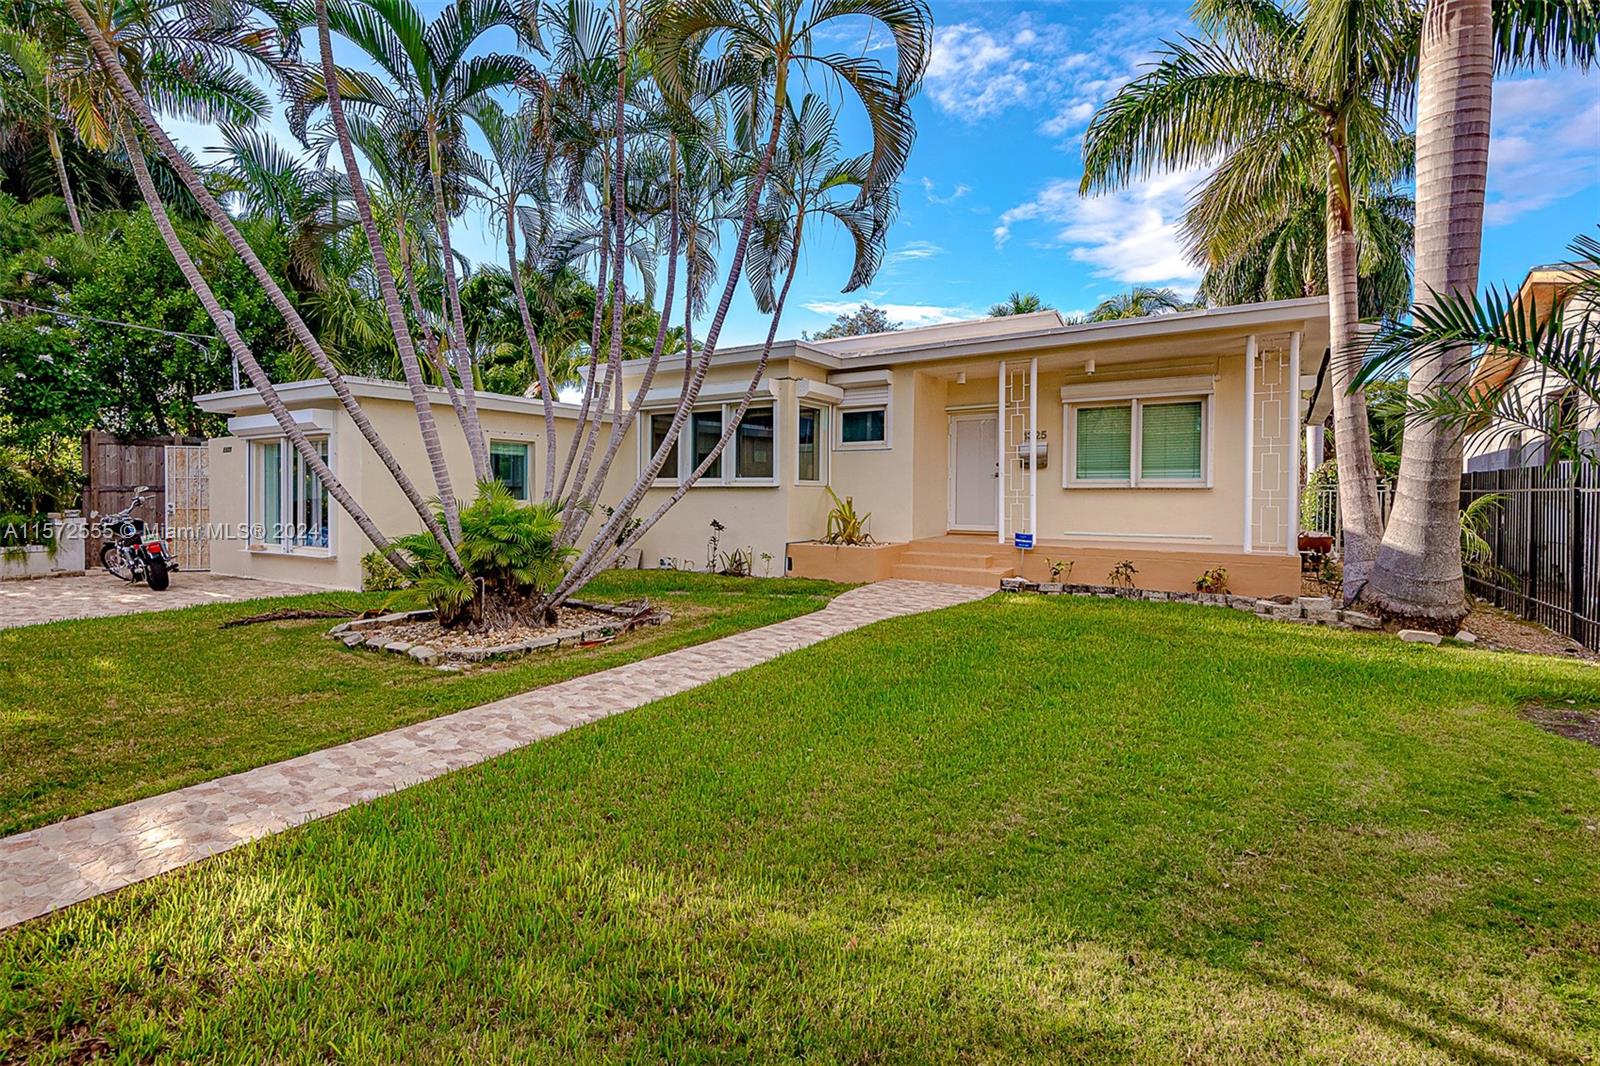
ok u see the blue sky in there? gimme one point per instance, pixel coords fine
(989, 201)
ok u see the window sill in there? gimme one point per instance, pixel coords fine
(1075, 484)
(860, 447)
(300, 553)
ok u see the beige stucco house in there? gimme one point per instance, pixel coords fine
(1173, 441)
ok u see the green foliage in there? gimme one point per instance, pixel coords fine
(509, 552)
(1060, 569)
(1477, 554)
(379, 575)
(1139, 302)
(1121, 575)
(845, 526)
(1213, 580)
(863, 320)
(1019, 303)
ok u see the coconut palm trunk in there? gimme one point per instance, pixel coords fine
(1418, 578)
(241, 351)
(1352, 434)
(541, 367)
(62, 178)
(139, 109)
(387, 289)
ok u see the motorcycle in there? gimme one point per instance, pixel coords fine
(132, 554)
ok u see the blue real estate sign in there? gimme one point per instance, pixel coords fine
(1022, 540)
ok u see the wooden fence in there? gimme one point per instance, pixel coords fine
(113, 467)
(1544, 539)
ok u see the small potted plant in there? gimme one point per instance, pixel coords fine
(1213, 582)
(1121, 575)
(1060, 573)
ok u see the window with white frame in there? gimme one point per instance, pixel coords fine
(1155, 442)
(289, 503)
(508, 464)
(810, 432)
(863, 417)
(750, 459)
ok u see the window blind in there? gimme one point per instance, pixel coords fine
(1169, 441)
(1105, 443)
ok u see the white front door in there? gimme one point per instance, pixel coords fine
(973, 460)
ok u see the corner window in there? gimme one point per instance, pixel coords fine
(753, 445)
(660, 425)
(508, 464)
(288, 502)
(707, 431)
(809, 465)
(867, 425)
(1127, 443)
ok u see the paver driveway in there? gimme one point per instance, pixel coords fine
(97, 595)
(53, 866)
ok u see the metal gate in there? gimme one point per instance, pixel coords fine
(188, 517)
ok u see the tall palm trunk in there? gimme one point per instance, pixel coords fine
(214, 211)
(1352, 434)
(477, 446)
(390, 293)
(61, 175)
(541, 367)
(1418, 577)
(241, 351)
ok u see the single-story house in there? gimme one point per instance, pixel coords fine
(1173, 442)
(1506, 443)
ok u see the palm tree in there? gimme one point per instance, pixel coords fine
(106, 102)
(1460, 330)
(437, 84)
(28, 102)
(1140, 302)
(1418, 576)
(1019, 303)
(1281, 98)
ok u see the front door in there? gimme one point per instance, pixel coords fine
(973, 463)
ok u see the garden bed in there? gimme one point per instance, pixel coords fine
(419, 635)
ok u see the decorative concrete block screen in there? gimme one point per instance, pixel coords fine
(1271, 501)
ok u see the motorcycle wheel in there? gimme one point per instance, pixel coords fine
(116, 562)
(155, 574)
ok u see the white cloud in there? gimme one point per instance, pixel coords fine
(905, 314)
(914, 250)
(1130, 236)
(972, 73)
(930, 190)
(1544, 143)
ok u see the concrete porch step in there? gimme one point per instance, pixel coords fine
(964, 558)
(948, 573)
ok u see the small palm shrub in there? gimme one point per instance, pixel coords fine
(508, 549)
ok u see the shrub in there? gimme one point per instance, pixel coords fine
(1213, 580)
(379, 575)
(508, 549)
(845, 526)
(1060, 569)
(1121, 575)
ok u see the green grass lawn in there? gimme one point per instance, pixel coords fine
(99, 712)
(1024, 829)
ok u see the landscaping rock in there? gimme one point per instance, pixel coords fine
(353, 639)
(423, 654)
(399, 647)
(377, 640)
(1466, 638)
(1419, 636)
(1050, 588)
(1359, 620)
(340, 628)
(1243, 603)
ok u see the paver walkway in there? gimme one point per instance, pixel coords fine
(48, 868)
(97, 594)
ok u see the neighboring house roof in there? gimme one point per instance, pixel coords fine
(1541, 290)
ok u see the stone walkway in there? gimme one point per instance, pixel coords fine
(48, 868)
(99, 595)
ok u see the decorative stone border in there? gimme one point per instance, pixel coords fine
(1304, 610)
(368, 632)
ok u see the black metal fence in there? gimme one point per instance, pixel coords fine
(1544, 540)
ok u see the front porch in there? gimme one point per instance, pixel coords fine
(979, 560)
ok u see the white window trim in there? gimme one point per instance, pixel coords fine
(670, 478)
(285, 489)
(823, 429)
(841, 445)
(527, 472)
(1069, 478)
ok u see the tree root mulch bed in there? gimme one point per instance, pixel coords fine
(1570, 722)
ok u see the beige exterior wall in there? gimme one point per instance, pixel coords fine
(904, 484)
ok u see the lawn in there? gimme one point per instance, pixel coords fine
(99, 712)
(1024, 829)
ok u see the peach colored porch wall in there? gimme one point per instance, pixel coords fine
(883, 480)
